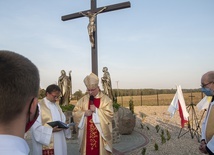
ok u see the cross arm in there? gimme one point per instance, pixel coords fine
(116, 7)
(109, 8)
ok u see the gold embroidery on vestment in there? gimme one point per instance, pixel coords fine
(93, 134)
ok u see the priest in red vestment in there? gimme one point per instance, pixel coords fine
(93, 114)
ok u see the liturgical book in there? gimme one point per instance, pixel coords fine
(60, 124)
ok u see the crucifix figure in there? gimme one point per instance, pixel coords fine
(92, 28)
(91, 24)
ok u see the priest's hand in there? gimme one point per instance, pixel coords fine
(92, 107)
(88, 113)
(56, 129)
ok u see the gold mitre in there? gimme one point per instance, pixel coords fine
(91, 81)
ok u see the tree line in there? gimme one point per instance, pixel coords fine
(138, 92)
(128, 92)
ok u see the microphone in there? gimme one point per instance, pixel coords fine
(91, 100)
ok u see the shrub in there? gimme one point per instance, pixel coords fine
(143, 151)
(147, 128)
(163, 139)
(116, 106)
(69, 107)
(141, 125)
(131, 105)
(156, 146)
(157, 127)
(168, 135)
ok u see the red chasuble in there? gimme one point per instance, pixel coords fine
(92, 135)
(48, 152)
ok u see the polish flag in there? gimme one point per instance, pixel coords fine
(178, 103)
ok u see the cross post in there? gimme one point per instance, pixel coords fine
(191, 96)
(92, 27)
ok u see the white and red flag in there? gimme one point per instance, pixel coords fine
(178, 103)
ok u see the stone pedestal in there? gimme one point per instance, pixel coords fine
(126, 120)
(115, 128)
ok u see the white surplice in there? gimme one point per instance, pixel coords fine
(41, 135)
(10, 145)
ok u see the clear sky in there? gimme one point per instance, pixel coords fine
(154, 44)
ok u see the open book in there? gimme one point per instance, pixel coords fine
(60, 124)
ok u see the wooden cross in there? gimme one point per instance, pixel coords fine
(91, 14)
(191, 98)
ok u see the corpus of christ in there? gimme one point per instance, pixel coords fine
(92, 26)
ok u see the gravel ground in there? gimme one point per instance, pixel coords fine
(148, 117)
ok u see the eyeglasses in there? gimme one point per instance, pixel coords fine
(91, 90)
(54, 96)
(204, 85)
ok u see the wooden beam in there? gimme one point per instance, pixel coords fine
(109, 8)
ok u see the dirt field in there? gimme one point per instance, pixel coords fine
(148, 117)
(160, 99)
